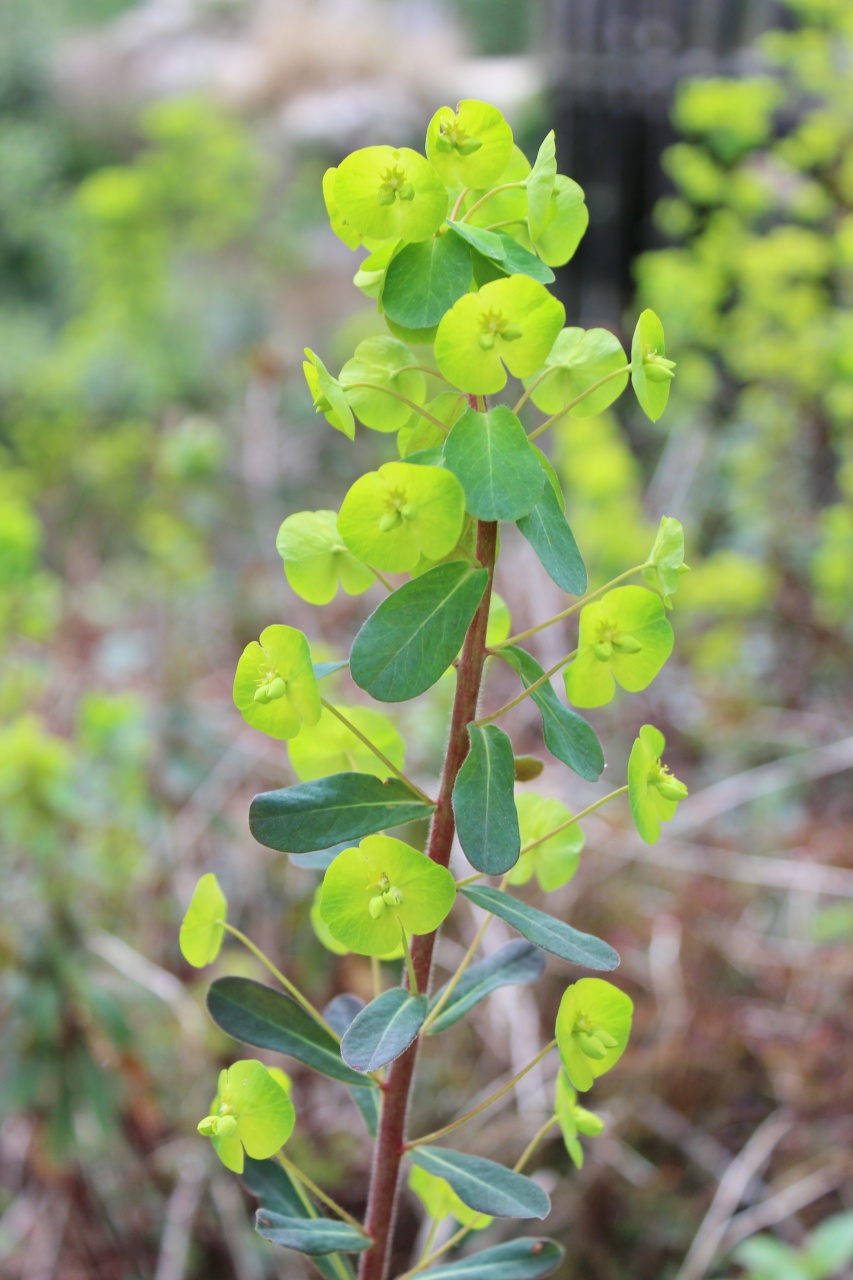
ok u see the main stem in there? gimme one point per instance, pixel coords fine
(391, 1138)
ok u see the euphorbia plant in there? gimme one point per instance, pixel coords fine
(460, 248)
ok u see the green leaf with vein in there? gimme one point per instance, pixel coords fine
(484, 802)
(516, 962)
(506, 254)
(540, 185)
(527, 1259)
(424, 280)
(408, 643)
(544, 931)
(567, 735)
(256, 1014)
(383, 1030)
(483, 1184)
(339, 1013)
(345, 806)
(493, 460)
(312, 1236)
(548, 532)
(269, 1183)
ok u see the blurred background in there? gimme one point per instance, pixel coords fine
(164, 258)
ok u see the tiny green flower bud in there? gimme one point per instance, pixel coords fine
(591, 1045)
(468, 146)
(224, 1126)
(376, 906)
(672, 789)
(603, 650)
(262, 694)
(609, 1041)
(658, 368)
(393, 897)
(389, 521)
(409, 511)
(511, 332)
(276, 688)
(407, 191)
(627, 644)
(588, 1123)
(385, 195)
(443, 143)
(486, 341)
(207, 1126)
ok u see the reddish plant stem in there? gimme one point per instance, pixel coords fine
(391, 1138)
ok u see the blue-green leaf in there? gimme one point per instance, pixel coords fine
(267, 1019)
(484, 802)
(339, 1013)
(323, 669)
(544, 931)
(269, 1183)
(493, 460)
(515, 962)
(547, 530)
(567, 735)
(343, 807)
(424, 280)
(313, 1236)
(482, 1184)
(517, 1260)
(408, 643)
(383, 1029)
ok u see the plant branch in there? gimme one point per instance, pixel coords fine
(549, 422)
(573, 608)
(423, 368)
(390, 1142)
(531, 688)
(458, 205)
(519, 404)
(463, 965)
(290, 1167)
(505, 186)
(374, 386)
(570, 822)
(484, 1106)
(379, 754)
(289, 987)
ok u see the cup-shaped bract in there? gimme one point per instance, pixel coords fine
(593, 1025)
(393, 516)
(327, 395)
(440, 1200)
(419, 433)
(337, 221)
(469, 147)
(512, 322)
(653, 792)
(508, 206)
(383, 364)
(390, 192)
(316, 560)
(578, 359)
(665, 564)
(275, 687)
(331, 747)
(203, 926)
(251, 1112)
(372, 892)
(651, 372)
(624, 639)
(566, 221)
(555, 860)
(574, 1119)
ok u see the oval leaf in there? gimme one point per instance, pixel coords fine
(314, 815)
(518, 1260)
(267, 1019)
(484, 1185)
(314, 1236)
(567, 735)
(424, 280)
(408, 643)
(383, 1030)
(493, 460)
(269, 1183)
(516, 962)
(484, 802)
(544, 931)
(547, 530)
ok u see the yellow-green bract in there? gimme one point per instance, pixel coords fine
(327, 395)
(441, 1201)
(556, 859)
(384, 363)
(653, 792)
(471, 146)
(665, 564)
(624, 638)
(251, 1111)
(331, 747)
(388, 192)
(574, 1119)
(651, 372)
(316, 560)
(202, 928)
(390, 517)
(578, 359)
(274, 685)
(593, 1025)
(511, 322)
(372, 892)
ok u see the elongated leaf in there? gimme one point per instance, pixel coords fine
(257, 1015)
(314, 1236)
(516, 962)
(484, 1185)
(540, 184)
(339, 1013)
(412, 638)
(424, 280)
(269, 1183)
(484, 802)
(323, 669)
(543, 930)
(493, 460)
(567, 735)
(505, 253)
(518, 1260)
(383, 1030)
(547, 530)
(333, 810)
